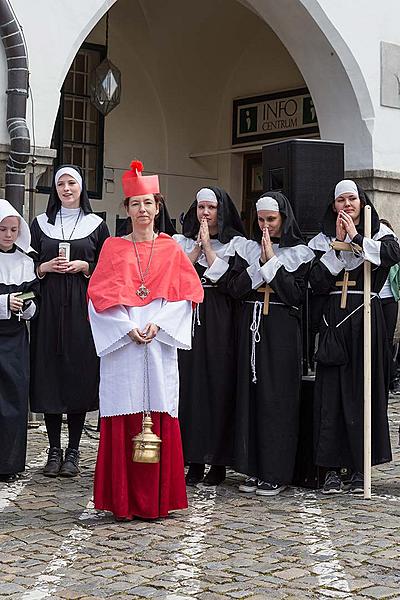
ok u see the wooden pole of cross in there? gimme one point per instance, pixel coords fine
(367, 362)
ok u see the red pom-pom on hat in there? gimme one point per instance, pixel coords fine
(136, 184)
(137, 165)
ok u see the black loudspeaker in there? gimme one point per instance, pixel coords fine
(305, 171)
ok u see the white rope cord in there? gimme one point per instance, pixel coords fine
(255, 335)
(196, 318)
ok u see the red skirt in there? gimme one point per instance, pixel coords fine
(130, 489)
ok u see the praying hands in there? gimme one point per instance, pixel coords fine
(267, 251)
(345, 226)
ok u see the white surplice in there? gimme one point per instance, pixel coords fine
(122, 360)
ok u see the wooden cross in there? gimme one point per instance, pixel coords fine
(344, 285)
(267, 290)
(346, 246)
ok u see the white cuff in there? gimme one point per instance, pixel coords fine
(29, 312)
(254, 272)
(175, 323)
(4, 312)
(217, 269)
(372, 251)
(332, 262)
(270, 269)
(110, 328)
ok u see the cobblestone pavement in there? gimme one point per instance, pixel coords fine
(227, 545)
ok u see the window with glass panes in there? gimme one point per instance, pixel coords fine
(79, 130)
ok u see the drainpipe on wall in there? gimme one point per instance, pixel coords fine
(17, 94)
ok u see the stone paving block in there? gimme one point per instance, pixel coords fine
(144, 592)
(319, 545)
(292, 573)
(379, 592)
(7, 589)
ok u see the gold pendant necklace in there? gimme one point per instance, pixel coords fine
(142, 290)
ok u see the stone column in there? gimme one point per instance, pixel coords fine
(383, 188)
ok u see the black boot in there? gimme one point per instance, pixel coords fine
(54, 461)
(195, 474)
(215, 475)
(70, 466)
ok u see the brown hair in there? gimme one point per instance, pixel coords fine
(387, 223)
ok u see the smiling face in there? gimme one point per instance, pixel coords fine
(272, 220)
(209, 211)
(69, 191)
(142, 210)
(350, 204)
(9, 230)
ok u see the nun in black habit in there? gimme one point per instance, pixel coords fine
(212, 229)
(269, 347)
(17, 276)
(64, 364)
(339, 398)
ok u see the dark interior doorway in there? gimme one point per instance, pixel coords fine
(252, 187)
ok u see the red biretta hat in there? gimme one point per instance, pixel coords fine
(136, 184)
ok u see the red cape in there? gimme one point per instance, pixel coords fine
(116, 277)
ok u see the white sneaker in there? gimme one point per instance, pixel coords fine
(249, 485)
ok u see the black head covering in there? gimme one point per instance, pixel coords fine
(162, 222)
(229, 221)
(54, 203)
(329, 220)
(290, 235)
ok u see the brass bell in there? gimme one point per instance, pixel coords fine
(146, 444)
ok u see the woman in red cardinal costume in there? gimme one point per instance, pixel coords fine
(140, 308)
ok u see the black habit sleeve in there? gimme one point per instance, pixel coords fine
(289, 286)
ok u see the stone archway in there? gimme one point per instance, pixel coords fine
(333, 76)
(341, 96)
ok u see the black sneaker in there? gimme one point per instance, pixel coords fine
(333, 483)
(215, 475)
(195, 474)
(249, 485)
(54, 462)
(357, 483)
(9, 478)
(70, 466)
(265, 488)
(395, 389)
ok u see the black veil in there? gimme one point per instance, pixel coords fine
(329, 220)
(291, 234)
(229, 221)
(54, 203)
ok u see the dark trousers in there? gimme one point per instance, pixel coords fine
(390, 309)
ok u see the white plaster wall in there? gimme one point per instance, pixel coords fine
(363, 25)
(178, 88)
(186, 59)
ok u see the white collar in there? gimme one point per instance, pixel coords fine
(84, 226)
(16, 268)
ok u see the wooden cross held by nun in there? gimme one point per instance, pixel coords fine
(345, 284)
(267, 290)
(367, 353)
